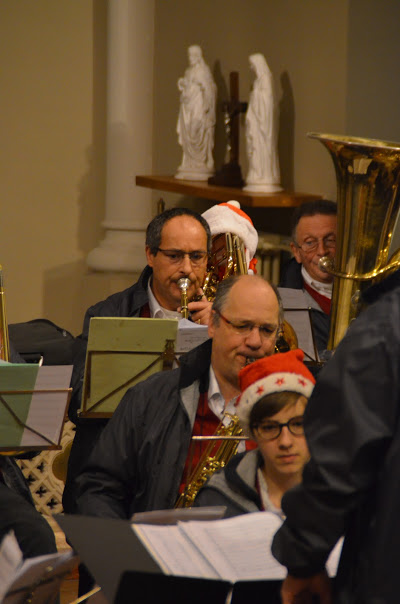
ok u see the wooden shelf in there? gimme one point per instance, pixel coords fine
(283, 199)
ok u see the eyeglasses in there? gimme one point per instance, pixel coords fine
(310, 245)
(177, 256)
(271, 430)
(244, 329)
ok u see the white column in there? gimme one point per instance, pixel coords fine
(129, 135)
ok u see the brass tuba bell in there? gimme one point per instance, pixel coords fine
(368, 201)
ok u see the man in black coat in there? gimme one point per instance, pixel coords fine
(351, 486)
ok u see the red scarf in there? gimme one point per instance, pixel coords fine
(323, 301)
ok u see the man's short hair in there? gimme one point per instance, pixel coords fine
(225, 286)
(312, 208)
(155, 227)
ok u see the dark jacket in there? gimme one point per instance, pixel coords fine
(234, 486)
(320, 321)
(351, 485)
(138, 462)
(127, 303)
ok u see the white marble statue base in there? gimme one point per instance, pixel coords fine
(193, 174)
(263, 188)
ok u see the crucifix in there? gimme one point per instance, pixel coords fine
(230, 174)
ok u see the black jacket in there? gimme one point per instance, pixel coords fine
(292, 278)
(138, 462)
(351, 485)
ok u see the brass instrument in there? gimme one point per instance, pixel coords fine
(368, 201)
(227, 258)
(221, 448)
(4, 339)
(184, 284)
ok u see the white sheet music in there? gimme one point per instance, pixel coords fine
(235, 549)
(174, 552)
(190, 335)
(47, 409)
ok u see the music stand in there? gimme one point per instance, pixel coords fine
(122, 352)
(33, 405)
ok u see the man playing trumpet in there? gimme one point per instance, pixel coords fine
(177, 245)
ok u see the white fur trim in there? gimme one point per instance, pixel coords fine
(223, 220)
(275, 382)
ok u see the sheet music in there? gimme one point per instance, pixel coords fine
(235, 557)
(235, 549)
(47, 409)
(49, 569)
(173, 551)
(190, 335)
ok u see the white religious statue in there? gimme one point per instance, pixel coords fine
(196, 120)
(262, 131)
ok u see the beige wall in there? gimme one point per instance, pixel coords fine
(52, 152)
(330, 61)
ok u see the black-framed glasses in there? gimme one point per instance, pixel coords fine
(311, 244)
(177, 256)
(270, 430)
(245, 328)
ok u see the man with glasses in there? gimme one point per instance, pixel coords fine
(142, 459)
(177, 245)
(313, 236)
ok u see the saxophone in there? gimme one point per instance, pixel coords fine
(221, 448)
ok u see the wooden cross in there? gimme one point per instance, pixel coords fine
(230, 174)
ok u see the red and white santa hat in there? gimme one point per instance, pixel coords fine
(229, 218)
(281, 372)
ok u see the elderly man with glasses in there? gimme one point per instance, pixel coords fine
(313, 236)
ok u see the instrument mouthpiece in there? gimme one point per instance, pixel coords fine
(326, 264)
(183, 283)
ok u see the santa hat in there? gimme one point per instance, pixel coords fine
(281, 372)
(229, 218)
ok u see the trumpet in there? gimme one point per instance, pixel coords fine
(184, 284)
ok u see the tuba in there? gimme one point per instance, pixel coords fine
(368, 201)
(4, 339)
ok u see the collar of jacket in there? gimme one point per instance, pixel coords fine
(195, 365)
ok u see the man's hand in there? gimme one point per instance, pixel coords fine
(300, 591)
(200, 312)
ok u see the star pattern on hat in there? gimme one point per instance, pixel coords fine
(280, 381)
(302, 382)
(260, 389)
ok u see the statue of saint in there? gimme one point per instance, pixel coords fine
(261, 131)
(196, 120)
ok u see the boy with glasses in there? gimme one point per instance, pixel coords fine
(275, 391)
